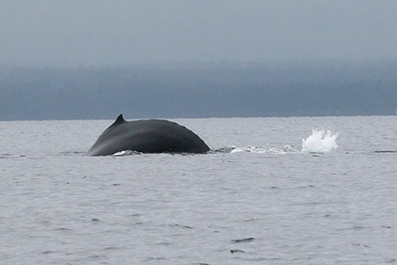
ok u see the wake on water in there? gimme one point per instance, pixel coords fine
(261, 149)
(320, 141)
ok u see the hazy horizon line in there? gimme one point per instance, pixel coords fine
(203, 62)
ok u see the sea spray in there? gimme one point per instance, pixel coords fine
(319, 141)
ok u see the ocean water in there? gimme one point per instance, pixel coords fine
(309, 190)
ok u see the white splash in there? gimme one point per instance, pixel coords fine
(319, 141)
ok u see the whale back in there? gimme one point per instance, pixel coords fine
(147, 136)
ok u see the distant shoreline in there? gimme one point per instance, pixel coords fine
(293, 88)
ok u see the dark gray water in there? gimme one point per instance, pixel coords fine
(264, 203)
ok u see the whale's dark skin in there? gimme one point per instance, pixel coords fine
(147, 136)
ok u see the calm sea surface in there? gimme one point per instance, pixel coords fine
(260, 201)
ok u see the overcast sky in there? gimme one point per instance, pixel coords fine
(113, 32)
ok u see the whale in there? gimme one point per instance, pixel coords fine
(147, 136)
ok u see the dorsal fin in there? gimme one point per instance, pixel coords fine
(119, 120)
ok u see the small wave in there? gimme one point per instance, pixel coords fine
(72, 153)
(243, 240)
(5, 156)
(385, 151)
(12, 156)
(320, 141)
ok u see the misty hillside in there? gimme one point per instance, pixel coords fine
(199, 90)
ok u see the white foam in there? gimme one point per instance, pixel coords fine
(125, 153)
(261, 150)
(320, 141)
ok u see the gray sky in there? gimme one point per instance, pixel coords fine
(112, 32)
